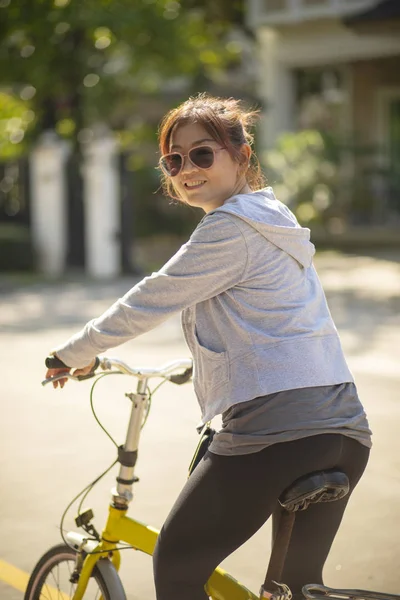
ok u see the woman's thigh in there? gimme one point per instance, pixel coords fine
(227, 499)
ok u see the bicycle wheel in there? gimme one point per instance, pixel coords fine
(50, 579)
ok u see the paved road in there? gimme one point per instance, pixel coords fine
(51, 447)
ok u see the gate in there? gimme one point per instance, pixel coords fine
(75, 213)
(15, 192)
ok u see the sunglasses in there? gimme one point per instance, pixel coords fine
(202, 157)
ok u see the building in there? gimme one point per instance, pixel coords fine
(333, 64)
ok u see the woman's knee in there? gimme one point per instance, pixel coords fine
(175, 565)
(168, 559)
(163, 560)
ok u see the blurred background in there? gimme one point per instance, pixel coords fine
(84, 85)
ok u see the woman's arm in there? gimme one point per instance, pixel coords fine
(212, 261)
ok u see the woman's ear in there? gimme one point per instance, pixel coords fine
(246, 153)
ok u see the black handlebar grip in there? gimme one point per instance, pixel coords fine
(182, 377)
(53, 362)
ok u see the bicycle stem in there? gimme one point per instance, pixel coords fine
(122, 493)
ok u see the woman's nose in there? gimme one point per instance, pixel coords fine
(187, 165)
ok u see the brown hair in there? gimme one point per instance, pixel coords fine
(227, 123)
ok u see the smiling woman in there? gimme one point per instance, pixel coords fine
(213, 134)
(210, 175)
(266, 353)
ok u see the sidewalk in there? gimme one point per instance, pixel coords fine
(364, 297)
(363, 293)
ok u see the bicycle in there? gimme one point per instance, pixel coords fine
(86, 565)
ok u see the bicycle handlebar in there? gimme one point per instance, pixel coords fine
(116, 365)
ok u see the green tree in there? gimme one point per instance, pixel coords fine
(304, 170)
(78, 62)
(70, 64)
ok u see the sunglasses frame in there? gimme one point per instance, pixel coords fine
(183, 156)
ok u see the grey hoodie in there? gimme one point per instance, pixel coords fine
(254, 314)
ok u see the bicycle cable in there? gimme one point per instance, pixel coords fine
(86, 491)
(89, 488)
(151, 393)
(92, 406)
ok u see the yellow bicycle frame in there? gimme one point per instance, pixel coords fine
(120, 528)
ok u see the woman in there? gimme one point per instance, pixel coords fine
(266, 352)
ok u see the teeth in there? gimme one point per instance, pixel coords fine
(194, 183)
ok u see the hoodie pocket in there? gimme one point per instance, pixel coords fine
(212, 368)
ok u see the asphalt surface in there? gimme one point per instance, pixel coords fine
(51, 447)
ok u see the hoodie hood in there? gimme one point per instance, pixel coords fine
(274, 221)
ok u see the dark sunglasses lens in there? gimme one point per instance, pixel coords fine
(172, 164)
(202, 157)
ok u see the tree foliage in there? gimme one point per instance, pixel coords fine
(304, 170)
(78, 62)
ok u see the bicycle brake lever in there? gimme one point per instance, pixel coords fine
(92, 373)
(68, 375)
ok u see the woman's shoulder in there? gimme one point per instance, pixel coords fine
(217, 226)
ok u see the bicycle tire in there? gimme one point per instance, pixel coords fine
(104, 575)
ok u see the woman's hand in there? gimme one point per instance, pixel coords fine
(62, 382)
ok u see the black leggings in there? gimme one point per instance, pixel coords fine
(228, 498)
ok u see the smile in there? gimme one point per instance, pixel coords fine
(192, 185)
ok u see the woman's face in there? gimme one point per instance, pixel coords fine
(208, 188)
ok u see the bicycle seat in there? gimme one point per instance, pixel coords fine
(319, 486)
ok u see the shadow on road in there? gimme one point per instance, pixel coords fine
(365, 318)
(40, 307)
(363, 295)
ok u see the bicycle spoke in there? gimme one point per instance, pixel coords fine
(56, 581)
(55, 592)
(72, 589)
(48, 597)
(71, 586)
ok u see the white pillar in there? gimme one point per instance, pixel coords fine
(49, 197)
(102, 212)
(276, 90)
